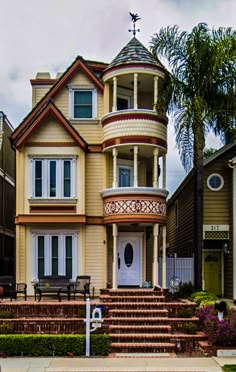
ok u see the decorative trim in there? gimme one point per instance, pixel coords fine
(51, 144)
(43, 81)
(133, 67)
(95, 221)
(52, 209)
(134, 139)
(129, 218)
(46, 219)
(139, 191)
(137, 115)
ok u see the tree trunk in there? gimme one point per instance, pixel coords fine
(199, 144)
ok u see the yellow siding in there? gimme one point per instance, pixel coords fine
(38, 93)
(96, 256)
(51, 131)
(95, 183)
(20, 254)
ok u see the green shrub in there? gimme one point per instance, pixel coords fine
(190, 328)
(185, 312)
(203, 298)
(6, 314)
(229, 368)
(186, 289)
(6, 328)
(48, 345)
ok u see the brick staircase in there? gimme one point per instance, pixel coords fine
(141, 320)
(137, 320)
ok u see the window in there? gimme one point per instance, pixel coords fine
(83, 103)
(54, 254)
(125, 173)
(215, 182)
(53, 178)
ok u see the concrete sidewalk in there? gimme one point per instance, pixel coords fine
(134, 363)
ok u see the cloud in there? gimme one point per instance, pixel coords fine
(47, 36)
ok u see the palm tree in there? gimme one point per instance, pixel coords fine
(200, 94)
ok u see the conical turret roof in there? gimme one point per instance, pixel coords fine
(134, 52)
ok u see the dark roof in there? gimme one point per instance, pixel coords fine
(134, 52)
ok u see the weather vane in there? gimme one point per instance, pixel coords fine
(134, 19)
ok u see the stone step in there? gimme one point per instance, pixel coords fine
(144, 313)
(147, 347)
(139, 329)
(127, 299)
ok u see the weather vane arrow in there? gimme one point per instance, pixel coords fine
(134, 19)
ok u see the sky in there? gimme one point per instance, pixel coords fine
(47, 35)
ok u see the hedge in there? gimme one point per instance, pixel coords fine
(50, 345)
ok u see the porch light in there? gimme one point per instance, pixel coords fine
(226, 248)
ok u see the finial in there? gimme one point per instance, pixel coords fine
(134, 19)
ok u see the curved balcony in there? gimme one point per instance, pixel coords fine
(131, 126)
(134, 205)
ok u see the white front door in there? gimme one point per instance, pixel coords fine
(129, 260)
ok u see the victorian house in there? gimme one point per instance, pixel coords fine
(91, 173)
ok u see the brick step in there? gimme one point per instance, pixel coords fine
(126, 299)
(139, 328)
(132, 292)
(138, 313)
(161, 337)
(147, 347)
(144, 337)
(173, 307)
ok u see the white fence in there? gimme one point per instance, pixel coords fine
(181, 267)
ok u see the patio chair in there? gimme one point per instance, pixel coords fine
(18, 288)
(82, 285)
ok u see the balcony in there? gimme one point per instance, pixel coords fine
(139, 126)
(134, 205)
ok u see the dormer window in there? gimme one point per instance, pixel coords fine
(83, 103)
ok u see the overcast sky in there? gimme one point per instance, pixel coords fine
(47, 35)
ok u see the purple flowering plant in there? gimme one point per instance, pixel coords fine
(219, 332)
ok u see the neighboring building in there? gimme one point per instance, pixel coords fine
(7, 199)
(219, 221)
(90, 198)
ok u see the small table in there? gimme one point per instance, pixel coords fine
(49, 290)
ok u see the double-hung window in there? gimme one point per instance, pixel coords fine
(54, 254)
(83, 103)
(53, 178)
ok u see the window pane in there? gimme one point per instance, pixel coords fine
(52, 191)
(83, 112)
(40, 256)
(83, 97)
(124, 177)
(67, 178)
(54, 255)
(38, 178)
(69, 256)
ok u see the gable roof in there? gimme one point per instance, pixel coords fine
(206, 161)
(49, 110)
(78, 64)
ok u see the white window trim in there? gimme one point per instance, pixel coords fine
(46, 177)
(94, 102)
(48, 252)
(208, 182)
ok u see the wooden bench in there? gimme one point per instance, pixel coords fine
(11, 288)
(53, 285)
